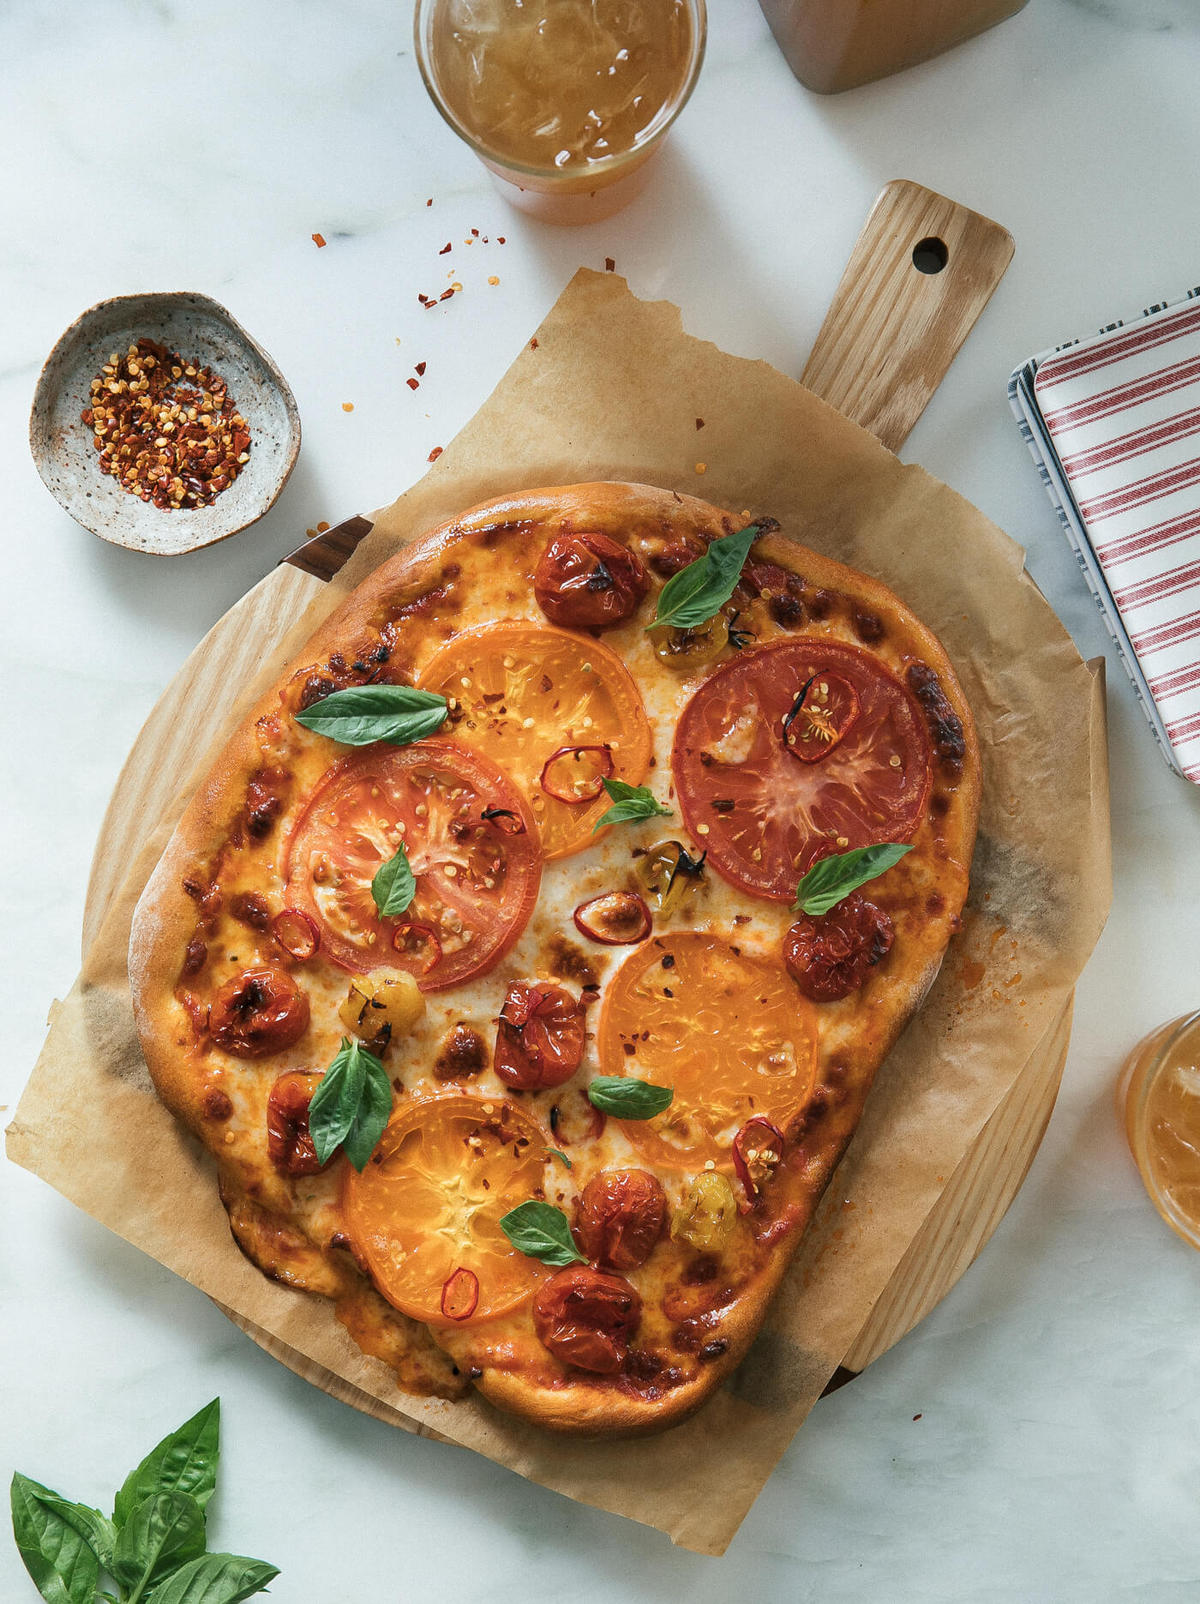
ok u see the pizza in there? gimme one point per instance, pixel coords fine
(526, 956)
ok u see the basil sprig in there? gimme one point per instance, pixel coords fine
(351, 1105)
(629, 802)
(541, 1231)
(153, 1547)
(698, 592)
(626, 1097)
(362, 714)
(394, 885)
(830, 879)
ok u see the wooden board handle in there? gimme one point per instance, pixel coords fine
(919, 275)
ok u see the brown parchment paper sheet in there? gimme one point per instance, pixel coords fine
(611, 388)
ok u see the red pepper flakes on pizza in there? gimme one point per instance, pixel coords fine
(526, 957)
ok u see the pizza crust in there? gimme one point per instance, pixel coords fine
(165, 919)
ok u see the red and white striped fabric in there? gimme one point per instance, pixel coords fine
(1123, 413)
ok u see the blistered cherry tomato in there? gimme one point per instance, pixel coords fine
(289, 1140)
(621, 1217)
(831, 956)
(258, 1012)
(588, 581)
(586, 1318)
(539, 1037)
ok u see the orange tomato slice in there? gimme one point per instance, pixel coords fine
(521, 694)
(429, 1205)
(729, 1032)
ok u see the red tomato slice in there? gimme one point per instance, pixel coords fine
(766, 818)
(477, 879)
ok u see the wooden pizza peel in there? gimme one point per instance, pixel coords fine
(919, 275)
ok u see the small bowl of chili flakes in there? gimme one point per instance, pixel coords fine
(160, 424)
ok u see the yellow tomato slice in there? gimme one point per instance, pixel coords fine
(552, 709)
(729, 1032)
(426, 1211)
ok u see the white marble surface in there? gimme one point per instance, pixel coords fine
(161, 144)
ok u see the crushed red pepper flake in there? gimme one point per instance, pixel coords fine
(429, 202)
(492, 279)
(434, 454)
(445, 247)
(347, 406)
(475, 231)
(413, 384)
(165, 427)
(500, 240)
(419, 370)
(609, 265)
(533, 344)
(699, 423)
(319, 241)
(322, 527)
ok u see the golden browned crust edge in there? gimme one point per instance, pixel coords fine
(165, 916)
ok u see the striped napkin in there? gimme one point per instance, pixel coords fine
(1114, 426)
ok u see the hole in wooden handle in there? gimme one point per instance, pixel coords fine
(930, 255)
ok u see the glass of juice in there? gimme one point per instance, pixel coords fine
(1158, 1103)
(564, 101)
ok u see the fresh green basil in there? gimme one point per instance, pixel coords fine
(394, 885)
(698, 592)
(556, 1152)
(626, 1097)
(185, 1461)
(215, 1579)
(153, 1548)
(350, 1107)
(59, 1558)
(162, 1533)
(629, 802)
(362, 714)
(830, 879)
(541, 1231)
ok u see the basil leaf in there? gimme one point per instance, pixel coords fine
(185, 1462)
(61, 1562)
(698, 592)
(361, 714)
(541, 1231)
(394, 885)
(215, 1579)
(96, 1529)
(626, 1097)
(160, 1533)
(629, 802)
(830, 879)
(351, 1105)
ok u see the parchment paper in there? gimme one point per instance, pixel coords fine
(612, 388)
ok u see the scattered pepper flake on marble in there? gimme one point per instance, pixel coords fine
(429, 202)
(492, 279)
(413, 384)
(419, 370)
(445, 247)
(533, 344)
(322, 526)
(347, 406)
(500, 240)
(319, 241)
(434, 454)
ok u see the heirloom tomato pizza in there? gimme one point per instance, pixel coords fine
(526, 956)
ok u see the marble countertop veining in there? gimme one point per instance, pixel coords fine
(160, 144)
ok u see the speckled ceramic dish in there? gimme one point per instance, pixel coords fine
(199, 328)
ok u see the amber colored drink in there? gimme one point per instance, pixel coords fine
(1158, 1103)
(838, 44)
(564, 99)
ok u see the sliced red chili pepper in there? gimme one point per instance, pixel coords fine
(576, 773)
(460, 1294)
(419, 943)
(505, 820)
(296, 933)
(757, 1151)
(615, 919)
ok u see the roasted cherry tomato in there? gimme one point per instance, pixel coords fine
(724, 1029)
(426, 1211)
(476, 883)
(766, 818)
(588, 581)
(539, 1036)
(289, 1140)
(821, 716)
(258, 1012)
(524, 694)
(831, 956)
(621, 1217)
(586, 1318)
